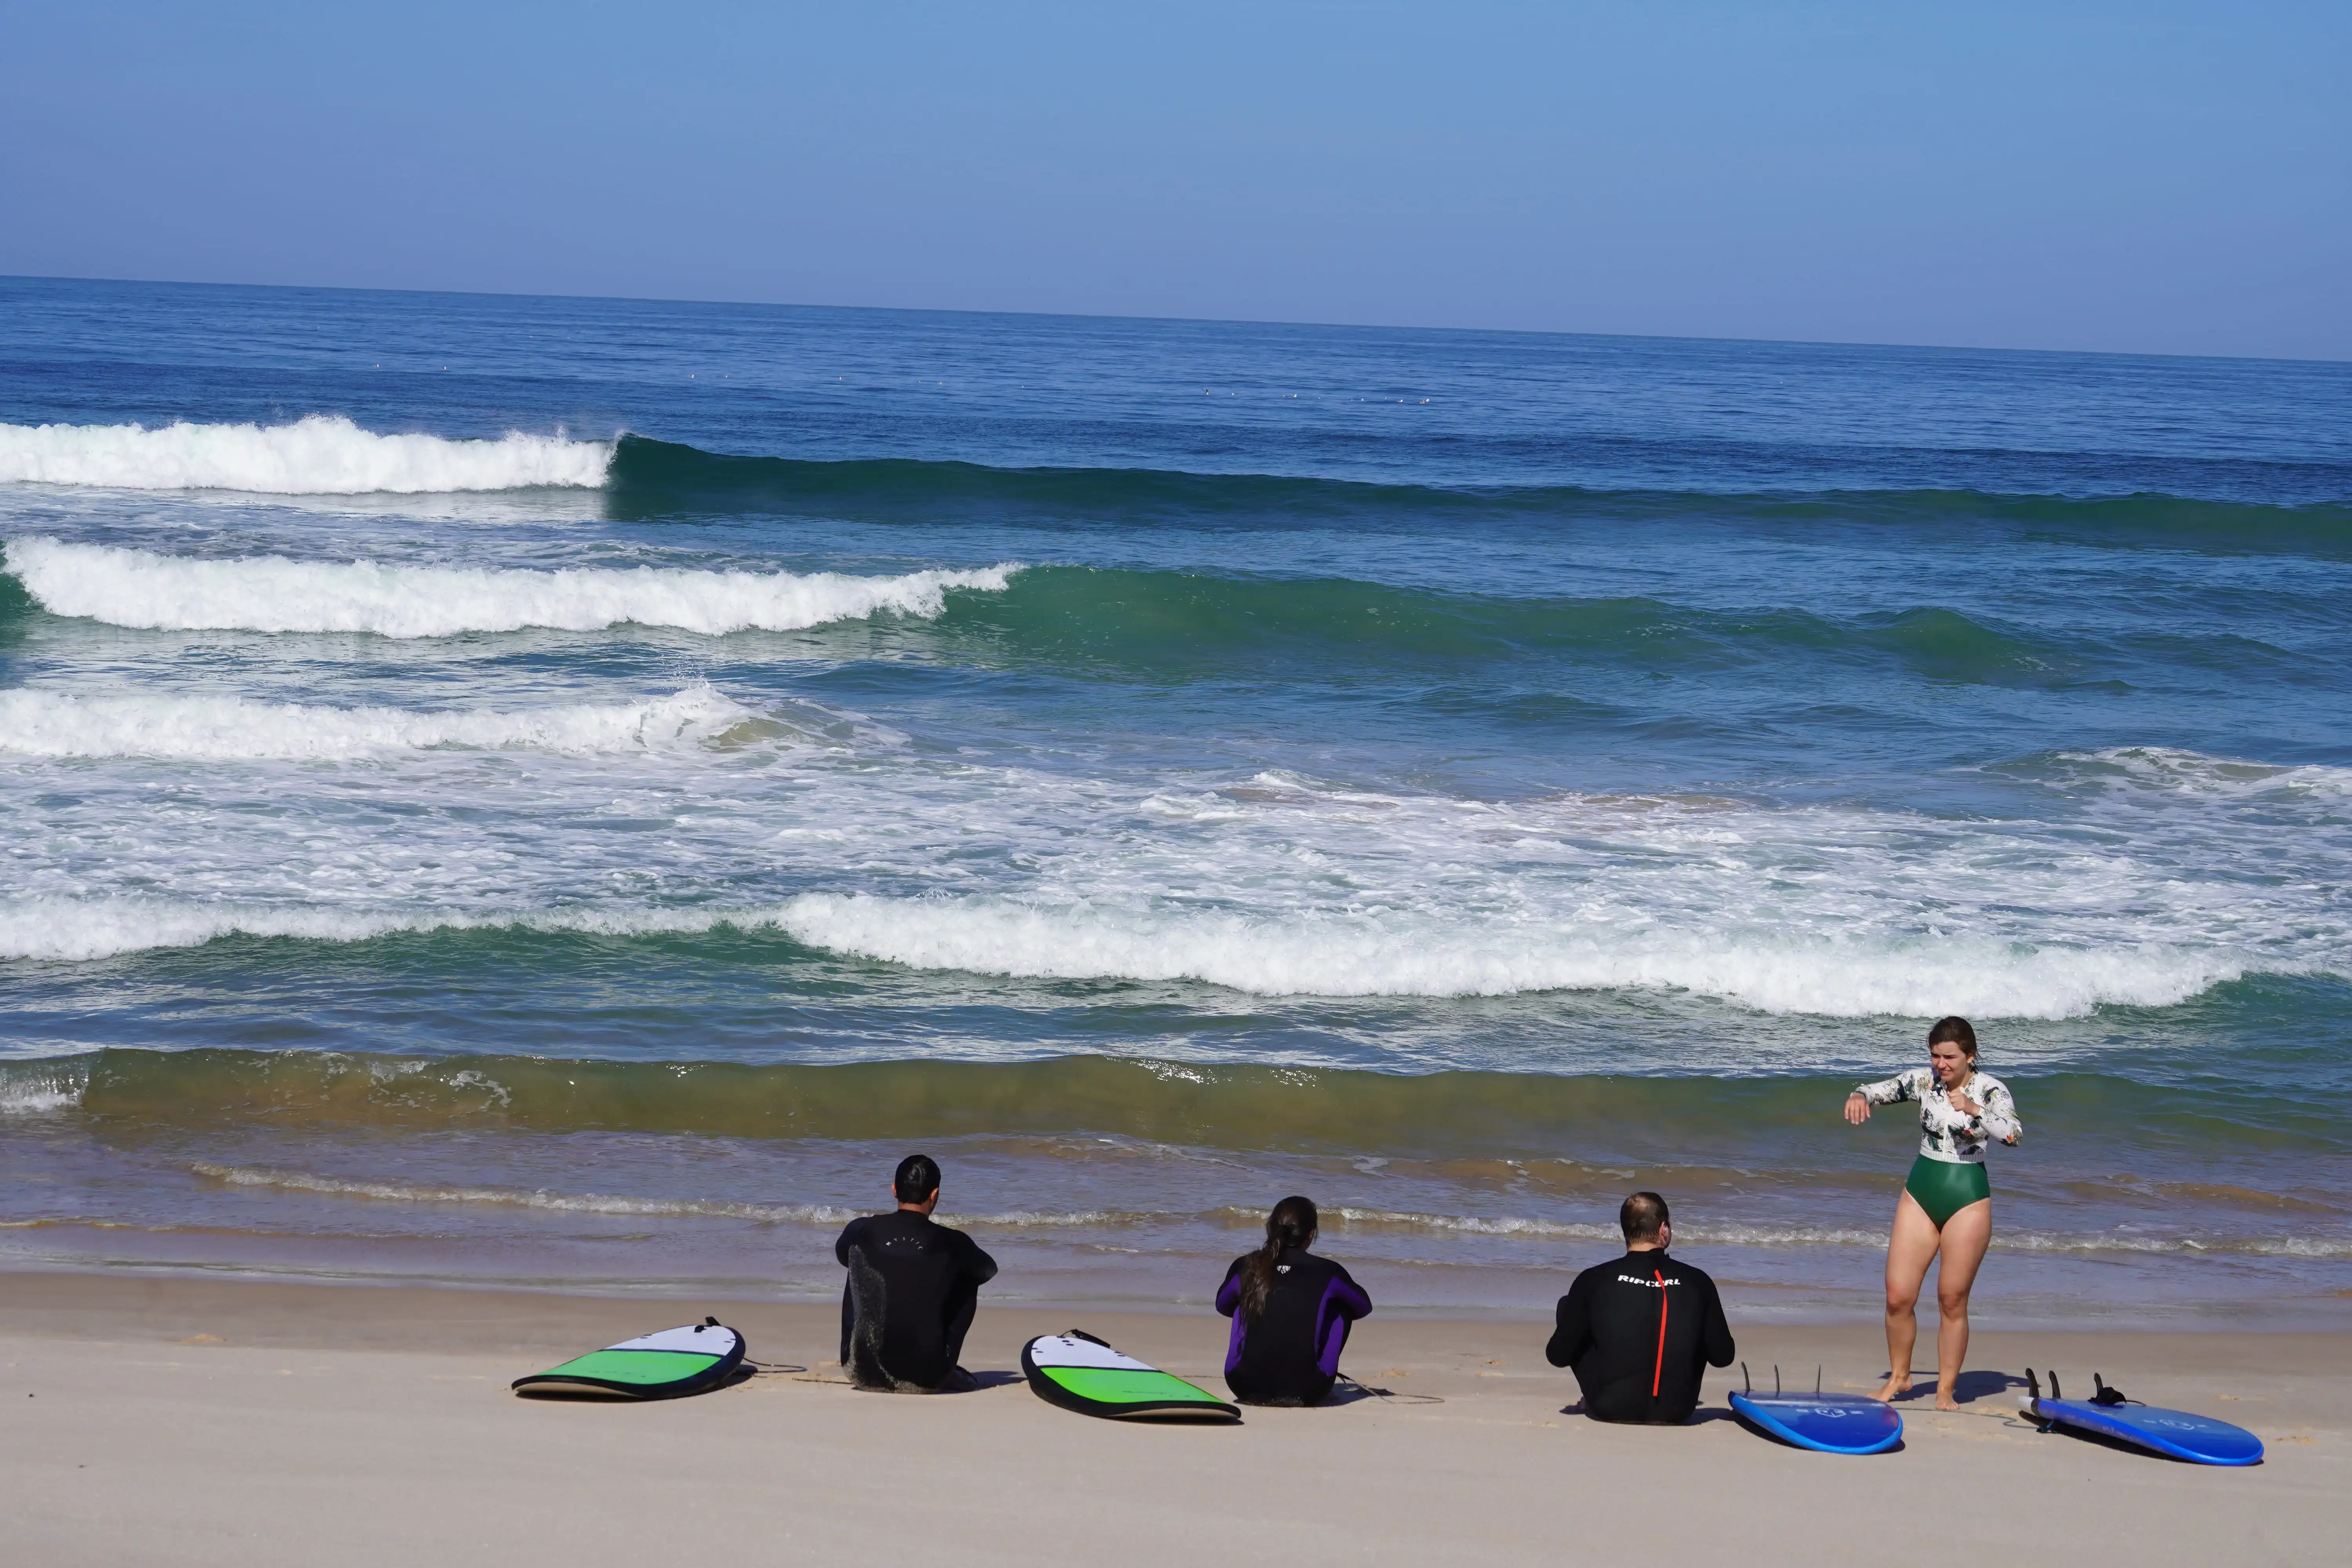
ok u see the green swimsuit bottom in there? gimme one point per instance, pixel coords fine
(1945, 1187)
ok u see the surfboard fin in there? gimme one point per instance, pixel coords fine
(1747, 1383)
(2033, 1401)
(2107, 1395)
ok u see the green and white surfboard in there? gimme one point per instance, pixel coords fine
(1078, 1371)
(653, 1366)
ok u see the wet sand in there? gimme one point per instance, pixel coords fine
(170, 1420)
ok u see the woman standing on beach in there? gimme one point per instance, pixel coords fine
(1947, 1202)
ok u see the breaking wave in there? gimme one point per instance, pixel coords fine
(271, 594)
(1156, 1103)
(1359, 955)
(321, 455)
(76, 930)
(2163, 771)
(1305, 955)
(42, 723)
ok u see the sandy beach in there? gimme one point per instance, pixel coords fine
(167, 1420)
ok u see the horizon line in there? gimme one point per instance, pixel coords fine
(1190, 321)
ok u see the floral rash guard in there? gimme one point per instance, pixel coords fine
(1945, 1133)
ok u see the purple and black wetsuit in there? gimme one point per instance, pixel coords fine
(1291, 1354)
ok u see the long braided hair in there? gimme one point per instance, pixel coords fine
(1291, 1224)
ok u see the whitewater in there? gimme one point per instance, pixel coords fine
(40, 723)
(317, 455)
(271, 594)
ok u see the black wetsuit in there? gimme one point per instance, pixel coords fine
(1641, 1332)
(913, 1287)
(1291, 1354)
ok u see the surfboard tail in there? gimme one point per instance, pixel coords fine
(1080, 1372)
(665, 1364)
(2175, 1433)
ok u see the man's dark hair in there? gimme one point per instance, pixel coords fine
(918, 1178)
(1641, 1215)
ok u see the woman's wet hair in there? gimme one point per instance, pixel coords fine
(1954, 1031)
(918, 1178)
(1291, 1224)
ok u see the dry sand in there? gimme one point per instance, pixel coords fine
(194, 1421)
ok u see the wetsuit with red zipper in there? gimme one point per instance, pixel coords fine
(1640, 1333)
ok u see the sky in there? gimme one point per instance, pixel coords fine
(2146, 177)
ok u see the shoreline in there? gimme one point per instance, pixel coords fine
(1131, 1181)
(135, 1303)
(1842, 1294)
(221, 1421)
(408, 1318)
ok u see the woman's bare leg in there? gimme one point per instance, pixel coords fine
(1966, 1235)
(1908, 1252)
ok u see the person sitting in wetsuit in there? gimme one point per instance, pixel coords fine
(1641, 1331)
(913, 1288)
(1290, 1312)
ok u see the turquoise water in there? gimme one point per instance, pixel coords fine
(566, 791)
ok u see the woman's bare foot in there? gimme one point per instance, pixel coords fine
(1944, 1400)
(1898, 1383)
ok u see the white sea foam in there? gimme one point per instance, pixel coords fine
(1508, 1228)
(1272, 885)
(1472, 1224)
(606, 1203)
(1751, 1235)
(45, 724)
(2163, 770)
(321, 455)
(1353, 955)
(520, 1197)
(78, 930)
(271, 594)
(34, 1096)
(1265, 957)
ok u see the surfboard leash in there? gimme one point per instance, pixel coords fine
(2108, 1394)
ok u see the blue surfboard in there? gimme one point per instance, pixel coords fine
(2176, 1434)
(1825, 1423)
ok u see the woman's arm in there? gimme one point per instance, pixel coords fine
(1886, 1091)
(1229, 1294)
(1998, 1119)
(1890, 1091)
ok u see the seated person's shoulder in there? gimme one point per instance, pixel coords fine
(1692, 1274)
(1599, 1273)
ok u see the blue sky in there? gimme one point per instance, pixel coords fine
(2144, 177)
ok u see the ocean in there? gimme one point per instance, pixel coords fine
(561, 794)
